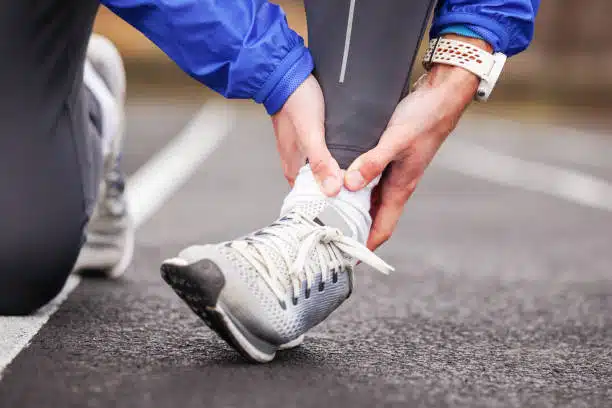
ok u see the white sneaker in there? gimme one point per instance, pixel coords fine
(110, 235)
(262, 292)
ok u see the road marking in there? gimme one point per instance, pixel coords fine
(148, 189)
(478, 162)
(171, 167)
(16, 332)
(347, 40)
(567, 146)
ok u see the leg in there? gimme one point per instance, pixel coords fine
(50, 155)
(363, 51)
(263, 291)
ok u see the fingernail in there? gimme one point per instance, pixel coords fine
(354, 179)
(330, 185)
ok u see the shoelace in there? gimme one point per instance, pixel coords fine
(114, 188)
(332, 250)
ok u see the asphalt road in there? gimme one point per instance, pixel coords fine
(502, 297)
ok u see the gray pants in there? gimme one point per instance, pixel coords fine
(363, 51)
(50, 159)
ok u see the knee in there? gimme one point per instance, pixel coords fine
(25, 298)
(34, 266)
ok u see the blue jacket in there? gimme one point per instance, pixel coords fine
(245, 49)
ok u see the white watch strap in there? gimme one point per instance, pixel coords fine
(484, 65)
(460, 54)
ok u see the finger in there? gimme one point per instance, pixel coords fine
(286, 143)
(292, 160)
(368, 166)
(384, 224)
(395, 188)
(290, 171)
(375, 200)
(325, 169)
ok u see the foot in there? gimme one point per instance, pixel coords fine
(262, 292)
(110, 235)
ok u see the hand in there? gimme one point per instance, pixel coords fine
(419, 125)
(300, 135)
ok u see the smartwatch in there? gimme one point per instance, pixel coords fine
(481, 63)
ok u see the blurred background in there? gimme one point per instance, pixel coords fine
(503, 289)
(565, 77)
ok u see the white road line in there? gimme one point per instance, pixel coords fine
(347, 41)
(570, 185)
(153, 184)
(16, 332)
(169, 169)
(567, 146)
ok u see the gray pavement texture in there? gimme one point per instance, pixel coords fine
(501, 298)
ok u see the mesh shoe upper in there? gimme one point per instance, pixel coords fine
(292, 274)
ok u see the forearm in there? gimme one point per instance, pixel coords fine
(241, 49)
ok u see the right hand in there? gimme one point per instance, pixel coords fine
(300, 134)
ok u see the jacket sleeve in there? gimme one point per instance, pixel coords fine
(239, 48)
(505, 24)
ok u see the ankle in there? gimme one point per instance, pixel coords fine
(353, 207)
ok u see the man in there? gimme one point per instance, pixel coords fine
(262, 292)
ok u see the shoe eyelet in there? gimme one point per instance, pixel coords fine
(307, 294)
(282, 304)
(321, 286)
(295, 301)
(334, 275)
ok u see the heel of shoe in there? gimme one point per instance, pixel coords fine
(199, 285)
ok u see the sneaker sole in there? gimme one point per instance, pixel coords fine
(88, 265)
(126, 259)
(199, 286)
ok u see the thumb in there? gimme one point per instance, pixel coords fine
(367, 167)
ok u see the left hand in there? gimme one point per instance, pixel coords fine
(300, 135)
(416, 130)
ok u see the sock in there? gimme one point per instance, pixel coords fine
(349, 211)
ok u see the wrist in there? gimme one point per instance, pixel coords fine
(457, 79)
(292, 72)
